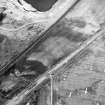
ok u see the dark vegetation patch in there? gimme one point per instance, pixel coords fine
(41, 5)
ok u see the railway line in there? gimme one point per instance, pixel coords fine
(38, 40)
